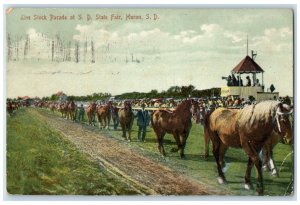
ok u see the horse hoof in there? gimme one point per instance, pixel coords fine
(182, 156)
(274, 173)
(265, 168)
(247, 186)
(225, 169)
(259, 191)
(221, 180)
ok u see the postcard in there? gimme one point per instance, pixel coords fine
(174, 101)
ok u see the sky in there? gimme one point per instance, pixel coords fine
(175, 47)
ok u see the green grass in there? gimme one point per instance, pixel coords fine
(40, 161)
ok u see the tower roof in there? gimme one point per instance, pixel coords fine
(247, 65)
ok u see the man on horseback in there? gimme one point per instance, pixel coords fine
(143, 119)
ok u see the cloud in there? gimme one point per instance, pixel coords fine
(274, 40)
(211, 38)
(99, 35)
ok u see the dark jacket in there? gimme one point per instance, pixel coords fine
(143, 118)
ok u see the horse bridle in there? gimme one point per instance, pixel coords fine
(279, 113)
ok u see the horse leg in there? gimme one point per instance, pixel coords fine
(248, 174)
(108, 121)
(177, 139)
(123, 131)
(267, 161)
(258, 165)
(161, 148)
(272, 166)
(129, 133)
(102, 123)
(99, 121)
(222, 151)
(183, 143)
(89, 118)
(93, 118)
(252, 152)
(206, 140)
(216, 146)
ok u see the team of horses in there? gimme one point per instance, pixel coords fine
(256, 129)
(67, 109)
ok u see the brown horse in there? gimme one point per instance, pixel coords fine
(178, 123)
(63, 108)
(71, 110)
(91, 110)
(126, 120)
(248, 129)
(52, 106)
(104, 116)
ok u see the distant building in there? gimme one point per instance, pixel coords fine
(62, 97)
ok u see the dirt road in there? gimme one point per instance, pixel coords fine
(143, 173)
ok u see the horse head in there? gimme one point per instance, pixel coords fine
(127, 106)
(283, 125)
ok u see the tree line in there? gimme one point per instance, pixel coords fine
(176, 92)
(92, 97)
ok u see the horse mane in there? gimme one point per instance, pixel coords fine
(262, 112)
(182, 105)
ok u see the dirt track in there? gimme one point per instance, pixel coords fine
(143, 173)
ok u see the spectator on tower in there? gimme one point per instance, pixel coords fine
(248, 81)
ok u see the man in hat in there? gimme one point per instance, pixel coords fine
(143, 120)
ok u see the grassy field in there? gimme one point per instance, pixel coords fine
(39, 161)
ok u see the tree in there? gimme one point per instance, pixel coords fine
(186, 91)
(54, 97)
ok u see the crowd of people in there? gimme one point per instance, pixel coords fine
(237, 81)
